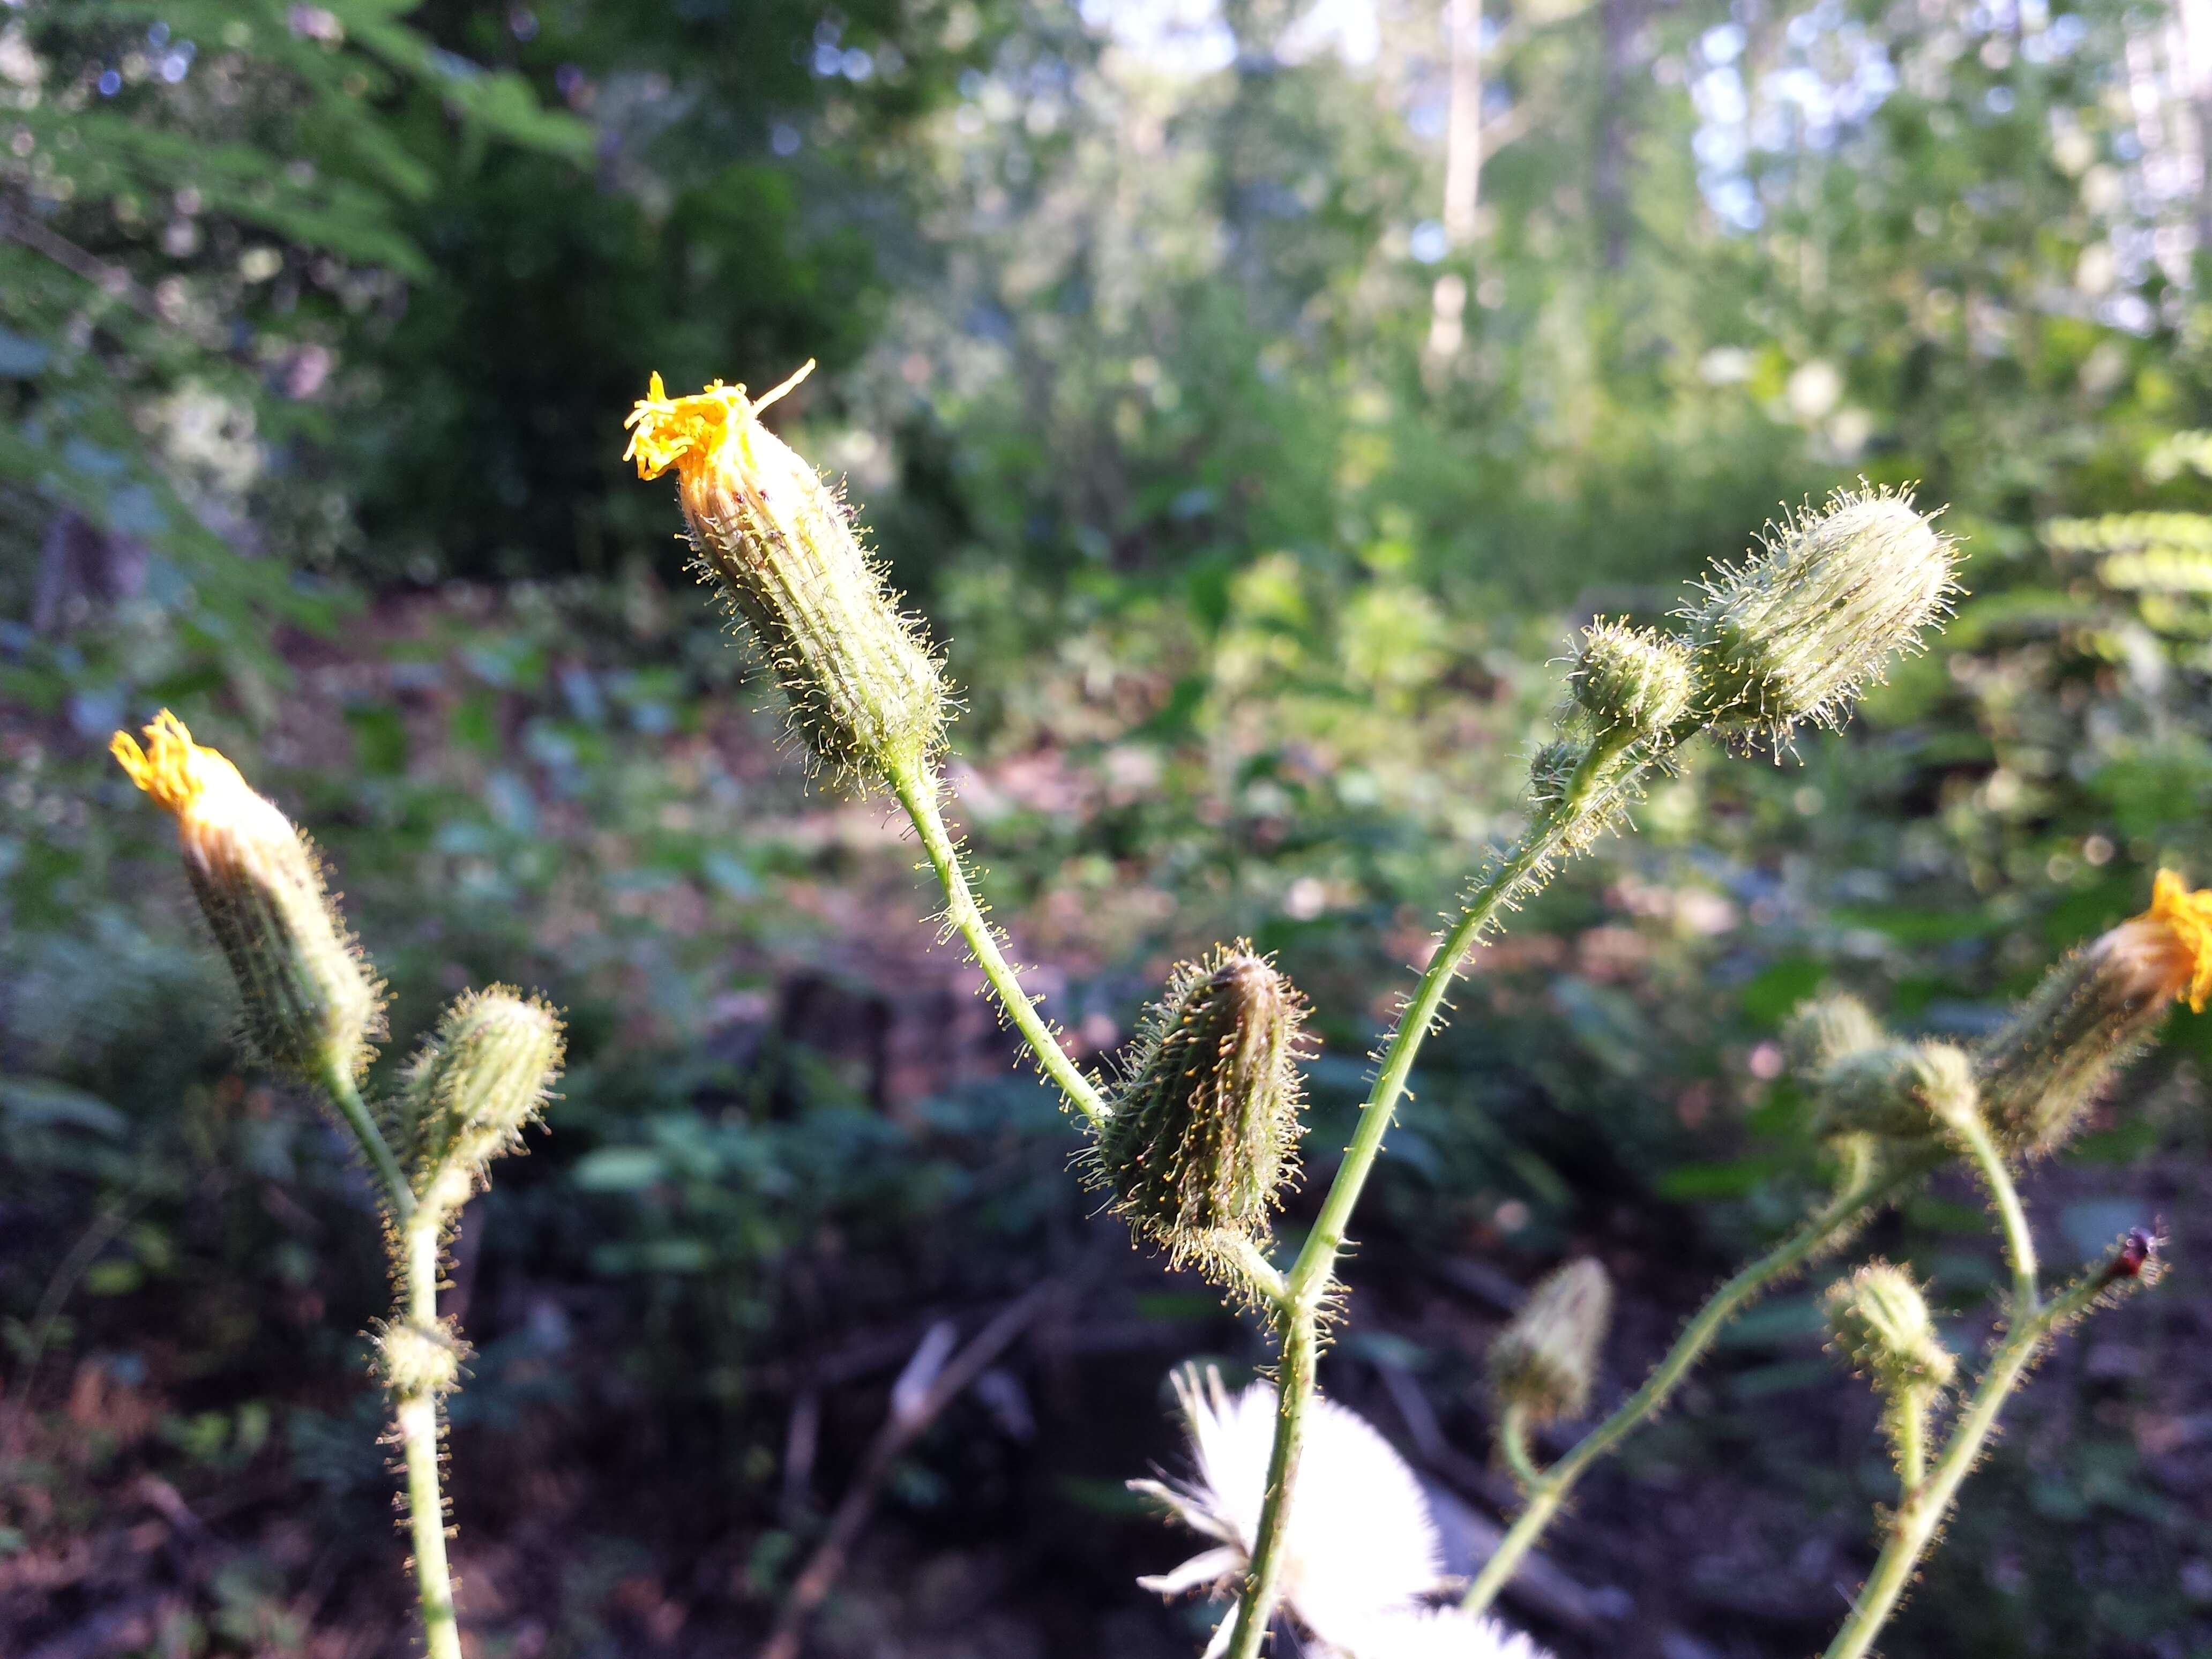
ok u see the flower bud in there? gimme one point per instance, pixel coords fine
(779, 548)
(2047, 1066)
(1880, 1320)
(1202, 1136)
(473, 1087)
(1545, 1361)
(1551, 769)
(1826, 1030)
(1633, 677)
(1898, 1091)
(312, 1006)
(416, 1359)
(1798, 631)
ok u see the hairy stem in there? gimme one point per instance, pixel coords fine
(1981, 1148)
(398, 1197)
(1908, 1436)
(417, 1414)
(916, 788)
(1314, 1272)
(1913, 1526)
(1863, 1189)
(1513, 1441)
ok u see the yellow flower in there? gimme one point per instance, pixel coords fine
(778, 546)
(311, 1005)
(2187, 919)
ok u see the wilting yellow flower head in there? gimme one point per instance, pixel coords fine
(778, 546)
(311, 1003)
(2093, 1012)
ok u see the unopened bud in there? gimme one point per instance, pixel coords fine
(1631, 678)
(1799, 630)
(1899, 1091)
(1545, 1361)
(416, 1359)
(1203, 1133)
(778, 546)
(2051, 1061)
(1551, 769)
(1880, 1321)
(474, 1086)
(312, 1006)
(1829, 1028)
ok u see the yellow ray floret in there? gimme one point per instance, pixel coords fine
(2187, 917)
(173, 769)
(685, 432)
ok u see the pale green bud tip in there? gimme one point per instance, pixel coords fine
(1828, 1029)
(1545, 1361)
(1798, 631)
(475, 1085)
(1631, 677)
(2049, 1065)
(778, 544)
(312, 1007)
(1898, 1091)
(1880, 1321)
(1202, 1134)
(416, 1359)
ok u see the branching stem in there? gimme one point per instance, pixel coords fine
(1513, 1440)
(1914, 1524)
(1864, 1186)
(917, 791)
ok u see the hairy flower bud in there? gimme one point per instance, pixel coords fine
(474, 1085)
(2043, 1070)
(1899, 1091)
(1880, 1320)
(1633, 677)
(1545, 1361)
(1796, 633)
(412, 1360)
(1202, 1136)
(1551, 769)
(1826, 1030)
(312, 1007)
(778, 546)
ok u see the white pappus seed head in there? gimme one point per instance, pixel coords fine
(1361, 1557)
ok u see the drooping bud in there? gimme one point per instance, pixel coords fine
(1880, 1320)
(412, 1360)
(1898, 1091)
(312, 1006)
(1798, 631)
(1826, 1030)
(474, 1086)
(1202, 1136)
(778, 546)
(1636, 678)
(2043, 1070)
(1545, 1361)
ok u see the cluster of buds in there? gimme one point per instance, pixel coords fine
(313, 1007)
(1202, 1135)
(779, 547)
(1545, 1362)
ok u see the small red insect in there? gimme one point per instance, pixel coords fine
(2137, 1249)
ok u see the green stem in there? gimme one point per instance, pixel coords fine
(1314, 1272)
(337, 1083)
(1973, 1137)
(416, 1413)
(1908, 1435)
(916, 788)
(1863, 1189)
(1913, 1527)
(1513, 1441)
